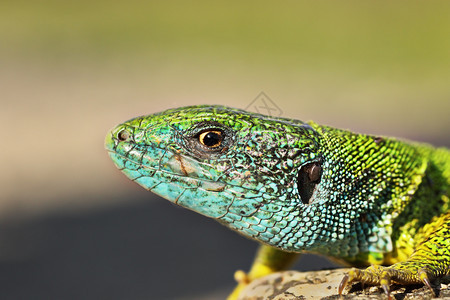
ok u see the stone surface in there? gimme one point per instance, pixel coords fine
(324, 285)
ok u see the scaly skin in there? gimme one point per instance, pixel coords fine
(296, 186)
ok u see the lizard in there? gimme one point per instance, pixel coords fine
(372, 202)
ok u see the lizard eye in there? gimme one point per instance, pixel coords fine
(211, 138)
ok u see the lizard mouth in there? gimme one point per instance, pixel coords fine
(187, 181)
(152, 167)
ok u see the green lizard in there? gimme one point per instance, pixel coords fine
(296, 187)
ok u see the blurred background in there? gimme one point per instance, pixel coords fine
(73, 227)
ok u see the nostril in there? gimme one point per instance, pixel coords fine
(123, 135)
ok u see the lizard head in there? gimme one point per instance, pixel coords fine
(256, 174)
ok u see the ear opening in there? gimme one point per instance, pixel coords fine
(308, 178)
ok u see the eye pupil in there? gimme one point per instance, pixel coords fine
(211, 139)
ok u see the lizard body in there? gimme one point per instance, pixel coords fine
(298, 186)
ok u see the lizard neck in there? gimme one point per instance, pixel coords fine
(368, 183)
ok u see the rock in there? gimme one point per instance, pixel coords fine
(324, 285)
